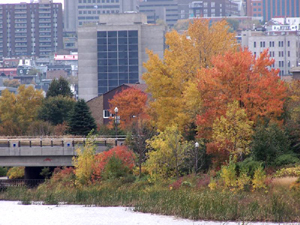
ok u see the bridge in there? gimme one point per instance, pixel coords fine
(36, 153)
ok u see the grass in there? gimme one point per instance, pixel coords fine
(278, 205)
(284, 181)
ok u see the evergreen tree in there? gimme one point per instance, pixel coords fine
(81, 121)
(56, 110)
(59, 87)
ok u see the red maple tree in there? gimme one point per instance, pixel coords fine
(131, 104)
(243, 77)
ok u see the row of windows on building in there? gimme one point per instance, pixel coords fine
(24, 6)
(98, 1)
(271, 44)
(99, 12)
(280, 54)
(205, 5)
(117, 59)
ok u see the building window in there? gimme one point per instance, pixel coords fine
(106, 113)
(254, 44)
(280, 43)
(289, 54)
(288, 44)
(212, 4)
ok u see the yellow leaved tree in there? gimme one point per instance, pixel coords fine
(233, 131)
(84, 161)
(168, 154)
(17, 111)
(171, 80)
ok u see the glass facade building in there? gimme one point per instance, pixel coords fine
(118, 61)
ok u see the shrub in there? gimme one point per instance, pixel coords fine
(177, 184)
(114, 168)
(63, 175)
(116, 162)
(60, 129)
(269, 142)
(259, 179)
(243, 181)
(228, 175)
(249, 165)
(40, 128)
(286, 172)
(286, 159)
(203, 181)
(16, 172)
(3, 171)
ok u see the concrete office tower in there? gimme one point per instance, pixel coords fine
(113, 52)
(80, 12)
(30, 29)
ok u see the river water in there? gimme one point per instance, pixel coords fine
(14, 213)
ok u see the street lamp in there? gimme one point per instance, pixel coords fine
(196, 156)
(116, 120)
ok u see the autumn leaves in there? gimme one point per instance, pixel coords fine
(206, 79)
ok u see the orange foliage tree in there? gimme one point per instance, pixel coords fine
(242, 77)
(102, 159)
(131, 103)
(171, 80)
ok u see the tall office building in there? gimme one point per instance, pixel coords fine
(267, 9)
(170, 11)
(113, 52)
(80, 12)
(30, 29)
(216, 8)
(166, 10)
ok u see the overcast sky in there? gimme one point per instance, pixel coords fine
(18, 1)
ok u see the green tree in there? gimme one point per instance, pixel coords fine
(81, 121)
(59, 87)
(269, 142)
(56, 110)
(168, 154)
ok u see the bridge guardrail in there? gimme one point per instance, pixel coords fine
(4, 184)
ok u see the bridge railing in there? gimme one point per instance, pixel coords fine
(4, 184)
(14, 143)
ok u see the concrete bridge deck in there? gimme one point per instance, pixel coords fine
(47, 152)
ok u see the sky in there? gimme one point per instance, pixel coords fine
(18, 1)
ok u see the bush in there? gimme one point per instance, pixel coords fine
(16, 172)
(288, 172)
(3, 171)
(269, 142)
(286, 159)
(248, 165)
(114, 168)
(228, 175)
(259, 179)
(114, 163)
(40, 128)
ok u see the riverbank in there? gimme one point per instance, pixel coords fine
(13, 212)
(276, 205)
